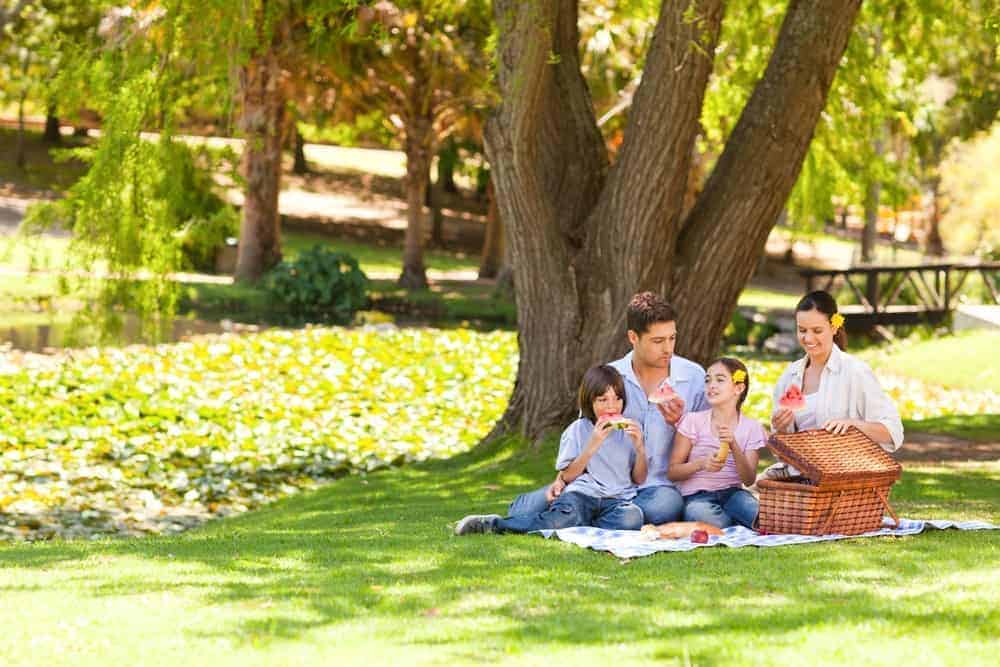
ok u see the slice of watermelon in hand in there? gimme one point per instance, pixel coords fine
(615, 421)
(793, 399)
(664, 393)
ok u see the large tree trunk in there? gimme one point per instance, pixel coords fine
(493, 243)
(418, 147)
(263, 122)
(584, 237)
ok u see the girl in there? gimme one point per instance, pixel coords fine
(601, 459)
(715, 451)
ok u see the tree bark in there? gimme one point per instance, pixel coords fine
(935, 244)
(20, 159)
(493, 243)
(584, 237)
(869, 234)
(52, 134)
(437, 215)
(263, 122)
(418, 148)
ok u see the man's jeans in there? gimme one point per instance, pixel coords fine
(659, 504)
(722, 508)
(576, 509)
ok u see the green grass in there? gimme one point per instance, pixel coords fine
(964, 360)
(366, 571)
(980, 428)
(768, 299)
(374, 257)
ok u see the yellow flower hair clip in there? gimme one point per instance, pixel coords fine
(836, 321)
(739, 376)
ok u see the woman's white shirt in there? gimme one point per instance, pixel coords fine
(848, 389)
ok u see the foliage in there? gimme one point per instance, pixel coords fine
(971, 184)
(365, 571)
(320, 282)
(137, 439)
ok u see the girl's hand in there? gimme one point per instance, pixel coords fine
(725, 434)
(633, 431)
(709, 464)
(839, 426)
(782, 420)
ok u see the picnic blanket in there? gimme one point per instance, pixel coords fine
(632, 544)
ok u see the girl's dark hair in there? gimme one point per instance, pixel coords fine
(733, 365)
(595, 382)
(822, 301)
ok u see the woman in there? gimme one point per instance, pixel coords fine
(840, 390)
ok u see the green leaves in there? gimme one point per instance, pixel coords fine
(158, 439)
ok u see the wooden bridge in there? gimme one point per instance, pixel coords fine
(878, 290)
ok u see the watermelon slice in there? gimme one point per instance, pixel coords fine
(615, 421)
(793, 399)
(664, 393)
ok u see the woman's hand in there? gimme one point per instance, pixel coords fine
(782, 420)
(840, 426)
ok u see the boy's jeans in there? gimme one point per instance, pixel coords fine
(576, 509)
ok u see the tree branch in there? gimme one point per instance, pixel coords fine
(727, 228)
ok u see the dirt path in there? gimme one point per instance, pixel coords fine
(933, 447)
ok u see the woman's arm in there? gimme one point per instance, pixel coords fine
(879, 418)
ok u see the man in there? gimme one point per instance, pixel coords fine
(652, 332)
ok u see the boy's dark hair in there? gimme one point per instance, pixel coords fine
(595, 382)
(646, 309)
(822, 301)
(733, 365)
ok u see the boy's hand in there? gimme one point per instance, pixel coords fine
(555, 489)
(633, 431)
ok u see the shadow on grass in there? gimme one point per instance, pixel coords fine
(379, 550)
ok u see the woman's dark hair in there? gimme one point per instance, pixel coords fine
(646, 309)
(733, 365)
(822, 301)
(595, 382)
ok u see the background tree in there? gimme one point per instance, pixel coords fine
(426, 67)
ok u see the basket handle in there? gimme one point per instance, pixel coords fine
(888, 507)
(833, 512)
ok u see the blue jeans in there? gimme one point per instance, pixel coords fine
(659, 504)
(722, 508)
(576, 509)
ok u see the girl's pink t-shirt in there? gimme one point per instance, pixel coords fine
(697, 427)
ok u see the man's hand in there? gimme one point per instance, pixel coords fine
(555, 489)
(672, 410)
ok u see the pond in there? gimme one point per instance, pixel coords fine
(51, 332)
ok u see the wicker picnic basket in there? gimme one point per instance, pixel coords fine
(844, 489)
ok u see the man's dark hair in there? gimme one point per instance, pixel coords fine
(646, 309)
(595, 382)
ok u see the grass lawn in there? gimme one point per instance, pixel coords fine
(959, 361)
(980, 428)
(768, 299)
(366, 571)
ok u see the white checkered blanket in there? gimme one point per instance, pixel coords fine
(632, 544)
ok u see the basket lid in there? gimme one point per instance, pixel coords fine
(827, 458)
